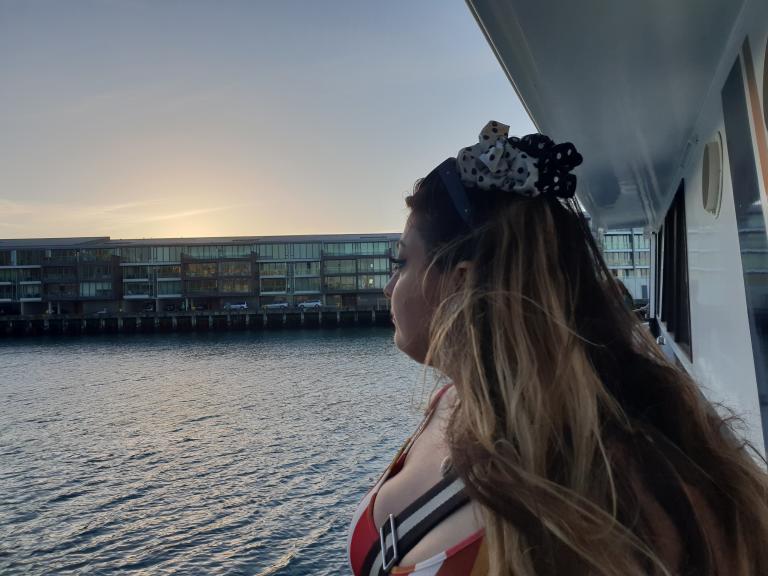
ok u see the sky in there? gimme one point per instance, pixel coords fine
(166, 118)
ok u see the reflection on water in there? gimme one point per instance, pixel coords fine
(195, 453)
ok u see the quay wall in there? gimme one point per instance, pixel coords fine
(78, 324)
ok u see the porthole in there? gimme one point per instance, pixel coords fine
(712, 176)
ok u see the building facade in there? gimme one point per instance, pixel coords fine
(627, 253)
(100, 275)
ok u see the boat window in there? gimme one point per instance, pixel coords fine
(675, 304)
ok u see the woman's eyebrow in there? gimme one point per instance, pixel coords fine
(400, 244)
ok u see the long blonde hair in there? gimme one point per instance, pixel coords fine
(573, 432)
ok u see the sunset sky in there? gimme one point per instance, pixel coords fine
(147, 118)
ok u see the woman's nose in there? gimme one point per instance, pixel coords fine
(390, 285)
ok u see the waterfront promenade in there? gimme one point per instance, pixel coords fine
(193, 321)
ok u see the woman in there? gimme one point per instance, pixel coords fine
(565, 442)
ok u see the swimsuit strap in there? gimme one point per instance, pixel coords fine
(399, 534)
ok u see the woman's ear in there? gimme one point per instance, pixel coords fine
(462, 269)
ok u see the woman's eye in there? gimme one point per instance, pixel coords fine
(397, 263)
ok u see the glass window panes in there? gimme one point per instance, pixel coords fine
(340, 282)
(307, 284)
(273, 269)
(235, 268)
(274, 284)
(169, 287)
(172, 271)
(5, 257)
(618, 258)
(103, 289)
(201, 269)
(273, 251)
(306, 251)
(371, 265)
(96, 272)
(306, 268)
(202, 286)
(340, 267)
(29, 257)
(372, 281)
(30, 291)
(235, 285)
(617, 242)
(166, 253)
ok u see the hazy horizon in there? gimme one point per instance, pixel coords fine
(139, 119)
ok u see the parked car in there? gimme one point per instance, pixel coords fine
(236, 306)
(200, 307)
(148, 308)
(169, 308)
(311, 304)
(102, 312)
(276, 306)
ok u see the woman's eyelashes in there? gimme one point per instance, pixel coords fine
(397, 263)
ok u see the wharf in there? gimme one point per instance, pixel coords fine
(78, 324)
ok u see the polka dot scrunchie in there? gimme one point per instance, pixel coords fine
(528, 166)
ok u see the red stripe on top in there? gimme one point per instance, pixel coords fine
(365, 534)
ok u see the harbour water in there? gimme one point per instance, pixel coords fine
(212, 453)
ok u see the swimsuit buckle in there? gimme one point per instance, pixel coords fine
(388, 565)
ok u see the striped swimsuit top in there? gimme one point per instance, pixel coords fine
(466, 558)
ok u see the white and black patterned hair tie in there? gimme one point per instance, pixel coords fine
(527, 166)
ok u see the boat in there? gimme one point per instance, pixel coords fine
(668, 103)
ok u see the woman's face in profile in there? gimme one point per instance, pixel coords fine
(408, 292)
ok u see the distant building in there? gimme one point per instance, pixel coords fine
(627, 253)
(89, 275)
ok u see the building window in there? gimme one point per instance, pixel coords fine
(618, 258)
(273, 269)
(372, 281)
(618, 242)
(675, 306)
(273, 251)
(30, 291)
(5, 257)
(97, 272)
(235, 285)
(306, 284)
(371, 265)
(642, 258)
(29, 275)
(99, 289)
(236, 251)
(274, 285)
(201, 269)
(201, 252)
(341, 282)
(235, 269)
(29, 257)
(165, 271)
(170, 287)
(306, 251)
(340, 267)
(166, 253)
(202, 286)
(306, 268)
(8, 275)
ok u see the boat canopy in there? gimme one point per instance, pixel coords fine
(624, 81)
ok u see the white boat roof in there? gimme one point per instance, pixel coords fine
(624, 81)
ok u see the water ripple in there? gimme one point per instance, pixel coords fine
(240, 453)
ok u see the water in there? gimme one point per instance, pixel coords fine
(233, 453)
